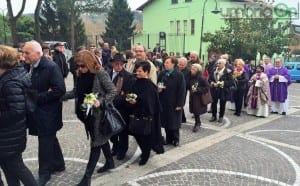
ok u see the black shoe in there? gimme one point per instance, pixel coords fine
(176, 143)
(58, 169)
(220, 120)
(196, 127)
(212, 119)
(284, 113)
(237, 114)
(167, 142)
(209, 111)
(85, 181)
(272, 112)
(143, 161)
(43, 179)
(121, 156)
(107, 166)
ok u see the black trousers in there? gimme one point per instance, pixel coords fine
(120, 142)
(238, 97)
(94, 157)
(145, 145)
(214, 107)
(15, 171)
(172, 135)
(50, 155)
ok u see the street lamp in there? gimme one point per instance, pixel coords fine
(215, 11)
(4, 30)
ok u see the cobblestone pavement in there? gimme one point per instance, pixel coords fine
(242, 150)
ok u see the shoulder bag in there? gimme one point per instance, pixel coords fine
(140, 125)
(112, 122)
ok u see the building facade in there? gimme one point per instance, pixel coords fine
(180, 21)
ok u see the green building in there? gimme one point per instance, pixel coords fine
(180, 21)
(176, 24)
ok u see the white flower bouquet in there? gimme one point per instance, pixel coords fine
(220, 84)
(161, 85)
(194, 87)
(88, 103)
(131, 96)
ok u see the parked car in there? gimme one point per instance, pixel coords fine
(294, 68)
(68, 51)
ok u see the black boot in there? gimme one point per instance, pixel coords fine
(197, 124)
(85, 181)
(109, 164)
(93, 159)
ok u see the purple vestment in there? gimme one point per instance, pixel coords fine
(279, 89)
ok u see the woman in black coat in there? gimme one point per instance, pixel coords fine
(147, 105)
(197, 86)
(241, 78)
(93, 80)
(13, 80)
(171, 88)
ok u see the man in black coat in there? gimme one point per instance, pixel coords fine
(106, 55)
(60, 59)
(47, 79)
(123, 81)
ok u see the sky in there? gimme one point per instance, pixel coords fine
(30, 5)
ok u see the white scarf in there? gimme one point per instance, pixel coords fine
(219, 73)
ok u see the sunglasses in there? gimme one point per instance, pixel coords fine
(81, 66)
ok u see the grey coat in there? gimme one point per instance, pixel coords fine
(106, 91)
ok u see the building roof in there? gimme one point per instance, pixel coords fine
(144, 5)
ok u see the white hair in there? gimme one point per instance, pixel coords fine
(221, 60)
(197, 66)
(183, 59)
(36, 47)
(194, 52)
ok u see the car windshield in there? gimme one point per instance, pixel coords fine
(289, 66)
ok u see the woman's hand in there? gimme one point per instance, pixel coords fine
(97, 104)
(178, 108)
(132, 101)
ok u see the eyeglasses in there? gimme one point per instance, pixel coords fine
(81, 66)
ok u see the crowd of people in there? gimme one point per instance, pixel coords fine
(147, 85)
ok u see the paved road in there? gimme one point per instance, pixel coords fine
(243, 150)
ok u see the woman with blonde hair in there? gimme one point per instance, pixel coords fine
(93, 80)
(241, 79)
(13, 81)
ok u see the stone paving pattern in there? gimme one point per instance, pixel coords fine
(233, 161)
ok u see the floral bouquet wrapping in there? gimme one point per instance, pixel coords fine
(131, 96)
(194, 87)
(88, 103)
(161, 85)
(220, 84)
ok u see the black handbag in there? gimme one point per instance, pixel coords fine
(233, 87)
(113, 122)
(140, 125)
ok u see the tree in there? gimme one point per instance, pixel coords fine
(243, 38)
(55, 23)
(84, 6)
(119, 27)
(37, 29)
(13, 19)
(49, 21)
(25, 29)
